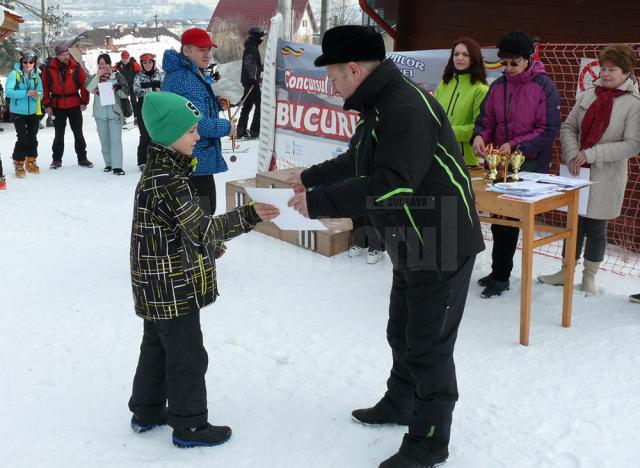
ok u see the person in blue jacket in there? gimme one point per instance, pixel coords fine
(24, 87)
(184, 76)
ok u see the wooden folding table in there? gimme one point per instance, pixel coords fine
(523, 216)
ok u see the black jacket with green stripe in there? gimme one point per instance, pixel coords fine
(405, 171)
(173, 242)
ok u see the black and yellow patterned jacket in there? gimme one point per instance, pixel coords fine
(173, 241)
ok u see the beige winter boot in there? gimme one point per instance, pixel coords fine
(555, 279)
(589, 277)
(19, 169)
(31, 165)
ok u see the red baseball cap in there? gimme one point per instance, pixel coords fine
(198, 37)
(125, 54)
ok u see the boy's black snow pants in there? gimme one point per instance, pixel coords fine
(172, 366)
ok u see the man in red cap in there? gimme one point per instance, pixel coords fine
(129, 69)
(184, 76)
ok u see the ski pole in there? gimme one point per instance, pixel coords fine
(240, 103)
(232, 119)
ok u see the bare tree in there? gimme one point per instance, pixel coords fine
(344, 12)
(230, 36)
(53, 20)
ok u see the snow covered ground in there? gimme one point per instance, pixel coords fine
(296, 341)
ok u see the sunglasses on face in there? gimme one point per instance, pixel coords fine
(511, 63)
(29, 61)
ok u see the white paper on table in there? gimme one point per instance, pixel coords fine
(532, 199)
(525, 188)
(535, 176)
(584, 175)
(566, 181)
(107, 96)
(289, 219)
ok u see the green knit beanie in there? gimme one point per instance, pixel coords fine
(168, 116)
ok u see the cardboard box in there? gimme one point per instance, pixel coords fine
(336, 239)
(237, 196)
(275, 179)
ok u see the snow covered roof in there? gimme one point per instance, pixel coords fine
(90, 55)
(10, 11)
(9, 22)
(97, 37)
(248, 13)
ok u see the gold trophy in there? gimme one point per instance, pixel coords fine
(493, 158)
(516, 159)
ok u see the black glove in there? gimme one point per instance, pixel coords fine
(155, 84)
(146, 85)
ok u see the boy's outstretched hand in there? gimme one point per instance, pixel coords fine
(266, 212)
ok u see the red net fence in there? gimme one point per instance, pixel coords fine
(573, 67)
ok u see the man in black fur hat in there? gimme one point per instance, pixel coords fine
(405, 172)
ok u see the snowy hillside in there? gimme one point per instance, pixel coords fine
(136, 49)
(125, 10)
(296, 341)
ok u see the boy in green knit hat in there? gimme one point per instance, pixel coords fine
(173, 245)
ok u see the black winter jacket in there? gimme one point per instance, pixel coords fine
(405, 171)
(173, 243)
(251, 63)
(129, 71)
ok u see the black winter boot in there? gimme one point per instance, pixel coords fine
(402, 461)
(485, 280)
(84, 162)
(381, 413)
(203, 436)
(494, 288)
(140, 425)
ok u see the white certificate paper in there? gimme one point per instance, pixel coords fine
(107, 96)
(289, 219)
(585, 174)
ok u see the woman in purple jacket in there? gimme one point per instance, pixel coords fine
(521, 111)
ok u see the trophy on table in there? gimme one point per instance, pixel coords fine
(493, 158)
(516, 159)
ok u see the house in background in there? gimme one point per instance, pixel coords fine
(241, 15)
(86, 46)
(9, 22)
(120, 37)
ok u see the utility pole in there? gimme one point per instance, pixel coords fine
(45, 26)
(155, 17)
(285, 7)
(324, 17)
